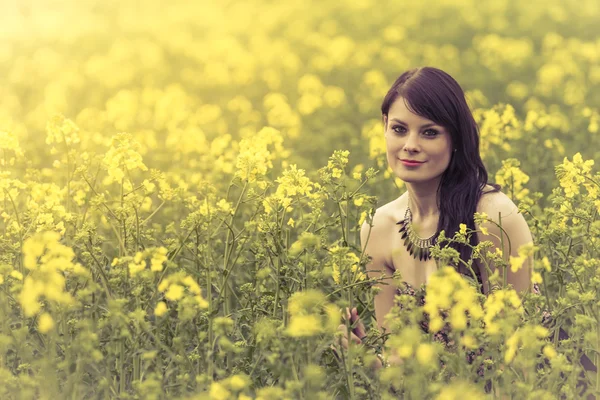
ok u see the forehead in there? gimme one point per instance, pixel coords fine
(400, 110)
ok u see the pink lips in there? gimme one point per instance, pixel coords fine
(411, 163)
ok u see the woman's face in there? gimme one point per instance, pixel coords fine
(409, 136)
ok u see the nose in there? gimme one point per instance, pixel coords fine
(412, 143)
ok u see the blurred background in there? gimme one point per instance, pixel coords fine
(190, 79)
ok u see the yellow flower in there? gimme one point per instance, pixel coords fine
(344, 261)
(61, 130)
(238, 382)
(458, 390)
(291, 222)
(122, 157)
(463, 229)
(511, 176)
(192, 285)
(135, 268)
(175, 292)
(304, 326)
(160, 309)
(45, 323)
(425, 353)
(48, 260)
(255, 158)
(405, 351)
(16, 275)
(525, 251)
(546, 264)
(468, 341)
(511, 347)
(549, 352)
(158, 258)
(219, 392)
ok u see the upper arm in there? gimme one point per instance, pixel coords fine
(515, 233)
(375, 244)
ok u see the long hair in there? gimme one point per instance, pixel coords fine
(435, 95)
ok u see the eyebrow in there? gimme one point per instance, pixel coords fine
(404, 123)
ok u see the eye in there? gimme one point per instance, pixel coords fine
(400, 127)
(432, 132)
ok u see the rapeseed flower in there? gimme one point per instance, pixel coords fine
(345, 266)
(46, 260)
(530, 336)
(45, 323)
(219, 392)
(497, 126)
(9, 142)
(311, 314)
(511, 177)
(292, 184)
(572, 174)
(255, 158)
(160, 309)
(138, 264)
(181, 287)
(460, 390)
(425, 354)
(62, 130)
(496, 303)
(158, 258)
(448, 291)
(175, 292)
(122, 157)
(525, 252)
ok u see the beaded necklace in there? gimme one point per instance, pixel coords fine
(417, 247)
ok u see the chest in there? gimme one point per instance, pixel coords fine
(413, 271)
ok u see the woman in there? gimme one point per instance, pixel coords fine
(433, 146)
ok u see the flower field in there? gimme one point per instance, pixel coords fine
(182, 186)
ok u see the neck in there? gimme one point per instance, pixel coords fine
(422, 200)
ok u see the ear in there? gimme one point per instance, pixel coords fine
(384, 117)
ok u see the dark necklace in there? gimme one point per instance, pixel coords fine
(417, 247)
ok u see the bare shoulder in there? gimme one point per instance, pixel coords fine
(386, 216)
(504, 219)
(497, 205)
(506, 222)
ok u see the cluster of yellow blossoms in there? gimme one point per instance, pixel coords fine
(255, 158)
(345, 266)
(138, 264)
(447, 290)
(47, 262)
(311, 314)
(573, 174)
(122, 157)
(174, 288)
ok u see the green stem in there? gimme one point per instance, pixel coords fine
(122, 366)
(597, 358)
(502, 232)
(209, 296)
(153, 212)
(344, 238)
